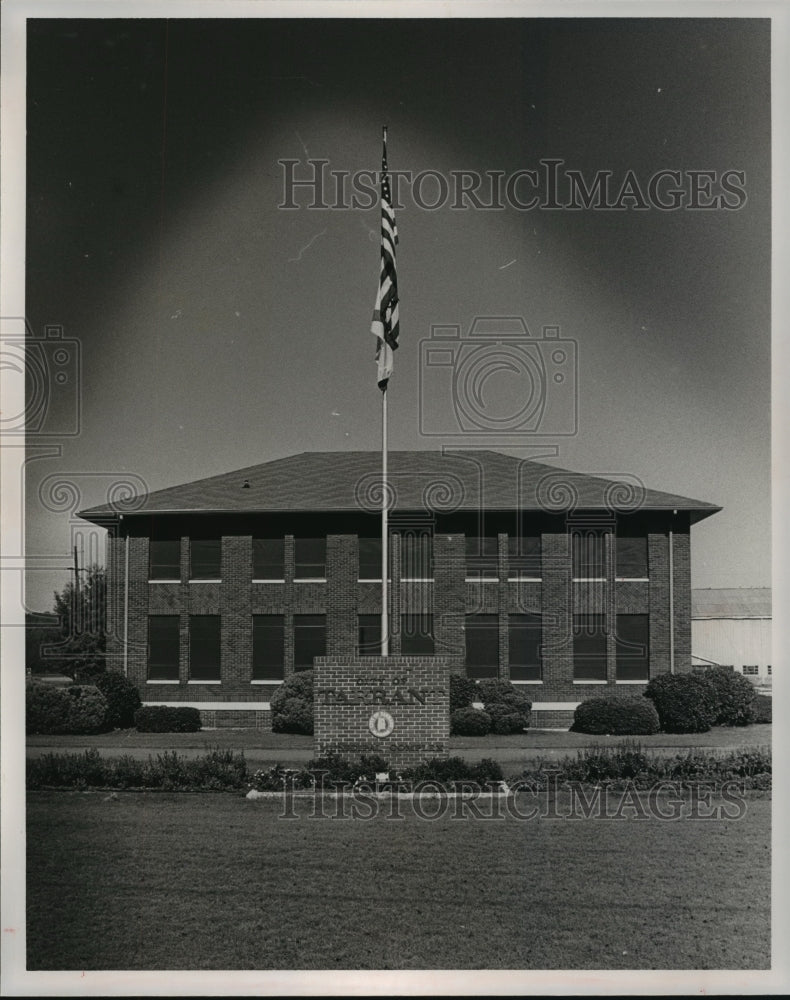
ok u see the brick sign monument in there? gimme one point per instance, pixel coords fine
(397, 707)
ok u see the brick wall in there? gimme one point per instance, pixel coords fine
(413, 690)
(450, 598)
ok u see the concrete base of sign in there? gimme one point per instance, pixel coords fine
(396, 707)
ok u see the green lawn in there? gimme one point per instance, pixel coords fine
(264, 749)
(191, 881)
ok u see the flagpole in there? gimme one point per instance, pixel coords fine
(385, 643)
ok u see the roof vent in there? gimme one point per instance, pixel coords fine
(246, 484)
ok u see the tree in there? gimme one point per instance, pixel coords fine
(81, 608)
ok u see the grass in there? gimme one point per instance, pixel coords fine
(242, 739)
(183, 881)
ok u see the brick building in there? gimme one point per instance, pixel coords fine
(565, 583)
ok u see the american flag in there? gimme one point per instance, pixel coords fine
(385, 314)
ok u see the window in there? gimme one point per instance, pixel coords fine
(164, 559)
(482, 646)
(769, 669)
(268, 647)
(589, 555)
(482, 557)
(309, 640)
(525, 635)
(631, 557)
(268, 559)
(751, 670)
(163, 645)
(632, 647)
(416, 634)
(589, 647)
(204, 648)
(310, 558)
(370, 635)
(416, 556)
(524, 555)
(370, 558)
(205, 556)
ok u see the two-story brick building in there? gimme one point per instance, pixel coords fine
(565, 583)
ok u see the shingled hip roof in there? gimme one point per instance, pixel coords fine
(418, 480)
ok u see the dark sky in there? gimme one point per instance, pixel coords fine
(218, 330)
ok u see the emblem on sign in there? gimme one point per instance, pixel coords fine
(381, 724)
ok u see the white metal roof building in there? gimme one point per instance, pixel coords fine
(732, 627)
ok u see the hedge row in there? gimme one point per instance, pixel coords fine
(110, 703)
(227, 770)
(676, 703)
(628, 760)
(218, 770)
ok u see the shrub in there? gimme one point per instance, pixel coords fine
(616, 715)
(166, 719)
(446, 771)
(293, 715)
(763, 708)
(87, 709)
(292, 705)
(46, 709)
(625, 760)
(470, 722)
(463, 691)
(339, 771)
(686, 703)
(735, 696)
(504, 720)
(497, 695)
(496, 692)
(123, 698)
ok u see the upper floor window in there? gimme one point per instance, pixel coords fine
(482, 557)
(524, 556)
(310, 558)
(631, 557)
(416, 556)
(588, 552)
(268, 559)
(370, 558)
(205, 559)
(164, 559)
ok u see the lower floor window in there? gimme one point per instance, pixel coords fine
(751, 669)
(309, 640)
(163, 646)
(632, 647)
(369, 635)
(525, 635)
(482, 645)
(268, 647)
(204, 647)
(589, 647)
(416, 634)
